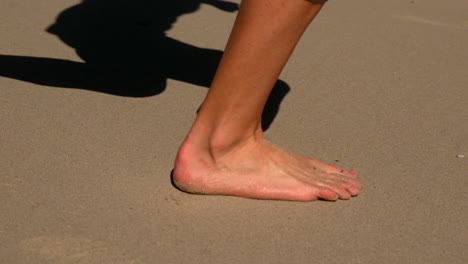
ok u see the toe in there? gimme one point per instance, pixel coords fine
(340, 188)
(343, 193)
(352, 174)
(349, 173)
(353, 188)
(328, 194)
(343, 185)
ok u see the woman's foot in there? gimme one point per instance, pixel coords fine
(225, 152)
(258, 169)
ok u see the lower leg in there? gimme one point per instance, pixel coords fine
(224, 152)
(262, 40)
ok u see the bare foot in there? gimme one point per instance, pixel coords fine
(261, 170)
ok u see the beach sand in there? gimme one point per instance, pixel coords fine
(377, 86)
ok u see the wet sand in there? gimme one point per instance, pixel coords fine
(379, 87)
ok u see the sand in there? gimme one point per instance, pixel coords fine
(377, 86)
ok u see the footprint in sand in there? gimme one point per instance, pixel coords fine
(71, 250)
(421, 20)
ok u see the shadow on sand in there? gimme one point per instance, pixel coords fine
(126, 51)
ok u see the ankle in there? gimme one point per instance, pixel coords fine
(219, 140)
(221, 144)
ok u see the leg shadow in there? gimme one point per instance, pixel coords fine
(126, 52)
